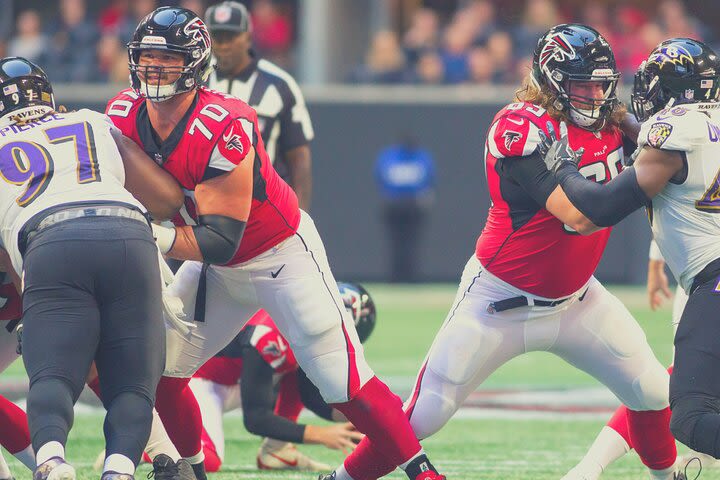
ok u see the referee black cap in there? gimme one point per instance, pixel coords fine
(228, 16)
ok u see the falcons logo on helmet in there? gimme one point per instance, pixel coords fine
(198, 32)
(556, 47)
(511, 137)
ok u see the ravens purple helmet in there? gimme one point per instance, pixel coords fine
(25, 90)
(679, 70)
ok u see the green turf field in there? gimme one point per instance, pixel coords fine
(467, 448)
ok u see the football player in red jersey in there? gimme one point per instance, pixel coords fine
(14, 433)
(247, 243)
(529, 285)
(248, 372)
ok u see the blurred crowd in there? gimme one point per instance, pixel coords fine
(474, 46)
(80, 46)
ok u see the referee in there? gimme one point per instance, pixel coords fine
(282, 115)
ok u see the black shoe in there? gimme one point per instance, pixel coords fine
(165, 469)
(199, 470)
(61, 469)
(116, 476)
(329, 476)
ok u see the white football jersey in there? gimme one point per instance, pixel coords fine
(685, 216)
(63, 158)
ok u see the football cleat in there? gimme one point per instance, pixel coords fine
(430, 476)
(329, 476)
(278, 455)
(684, 474)
(116, 476)
(704, 459)
(164, 468)
(55, 468)
(198, 469)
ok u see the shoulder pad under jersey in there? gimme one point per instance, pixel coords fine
(678, 128)
(514, 132)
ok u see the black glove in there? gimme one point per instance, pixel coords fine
(557, 152)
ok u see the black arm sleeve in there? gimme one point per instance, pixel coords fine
(531, 174)
(258, 402)
(311, 398)
(604, 205)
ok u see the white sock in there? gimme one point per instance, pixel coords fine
(4, 469)
(607, 447)
(342, 474)
(27, 457)
(119, 463)
(665, 474)
(159, 441)
(48, 451)
(404, 465)
(197, 458)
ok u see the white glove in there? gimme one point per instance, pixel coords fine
(164, 237)
(173, 308)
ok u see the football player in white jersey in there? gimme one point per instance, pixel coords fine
(91, 282)
(676, 175)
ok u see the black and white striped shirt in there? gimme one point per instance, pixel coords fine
(282, 115)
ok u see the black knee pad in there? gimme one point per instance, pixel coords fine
(695, 422)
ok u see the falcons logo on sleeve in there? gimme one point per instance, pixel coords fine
(232, 141)
(511, 137)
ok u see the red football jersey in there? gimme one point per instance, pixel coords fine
(522, 243)
(213, 138)
(260, 333)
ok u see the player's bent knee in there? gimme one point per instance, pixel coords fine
(651, 389)
(689, 413)
(330, 372)
(431, 412)
(461, 349)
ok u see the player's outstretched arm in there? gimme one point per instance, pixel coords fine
(223, 204)
(605, 205)
(155, 188)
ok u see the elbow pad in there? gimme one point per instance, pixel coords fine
(218, 237)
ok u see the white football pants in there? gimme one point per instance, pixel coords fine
(293, 283)
(592, 331)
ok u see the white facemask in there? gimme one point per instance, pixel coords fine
(584, 118)
(158, 93)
